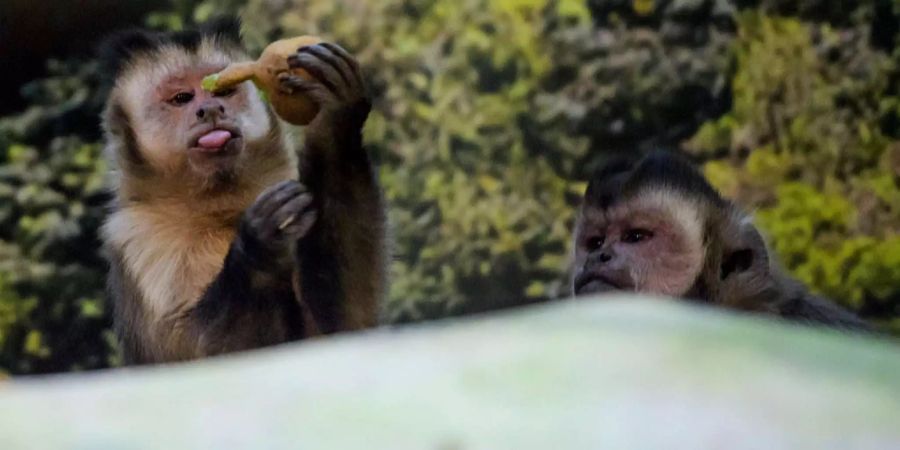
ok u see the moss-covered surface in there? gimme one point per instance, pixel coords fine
(605, 373)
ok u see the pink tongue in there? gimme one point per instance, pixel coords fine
(214, 139)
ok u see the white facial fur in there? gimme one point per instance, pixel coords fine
(162, 129)
(668, 261)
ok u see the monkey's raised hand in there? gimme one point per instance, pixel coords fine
(279, 216)
(337, 87)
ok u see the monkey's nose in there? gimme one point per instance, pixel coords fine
(210, 111)
(605, 257)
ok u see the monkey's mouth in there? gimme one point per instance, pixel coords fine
(592, 283)
(216, 140)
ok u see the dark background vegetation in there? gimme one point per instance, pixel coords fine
(489, 116)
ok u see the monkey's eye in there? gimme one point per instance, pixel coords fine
(181, 98)
(636, 235)
(226, 92)
(595, 243)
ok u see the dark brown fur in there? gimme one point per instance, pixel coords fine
(736, 270)
(211, 255)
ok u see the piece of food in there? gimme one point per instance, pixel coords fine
(294, 108)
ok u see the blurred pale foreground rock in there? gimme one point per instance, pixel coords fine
(604, 373)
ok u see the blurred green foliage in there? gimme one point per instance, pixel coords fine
(811, 142)
(489, 116)
(476, 213)
(52, 310)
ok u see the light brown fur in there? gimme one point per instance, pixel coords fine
(192, 220)
(181, 214)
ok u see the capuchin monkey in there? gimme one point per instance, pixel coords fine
(656, 225)
(216, 241)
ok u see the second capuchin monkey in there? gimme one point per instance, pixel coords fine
(216, 241)
(656, 225)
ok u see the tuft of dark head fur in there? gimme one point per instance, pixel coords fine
(623, 177)
(124, 46)
(605, 185)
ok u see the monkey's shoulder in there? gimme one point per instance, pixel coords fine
(803, 306)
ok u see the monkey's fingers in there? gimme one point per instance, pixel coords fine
(287, 82)
(302, 224)
(287, 214)
(313, 89)
(355, 69)
(291, 84)
(320, 70)
(274, 197)
(339, 64)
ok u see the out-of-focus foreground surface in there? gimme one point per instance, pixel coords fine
(594, 373)
(489, 117)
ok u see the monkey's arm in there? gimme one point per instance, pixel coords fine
(342, 259)
(250, 303)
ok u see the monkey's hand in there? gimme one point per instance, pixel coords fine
(337, 87)
(279, 216)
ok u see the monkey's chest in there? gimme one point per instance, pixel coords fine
(200, 259)
(173, 263)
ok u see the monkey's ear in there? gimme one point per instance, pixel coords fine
(737, 261)
(744, 249)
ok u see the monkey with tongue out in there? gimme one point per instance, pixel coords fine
(216, 241)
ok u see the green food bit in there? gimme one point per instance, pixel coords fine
(209, 82)
(263, 95)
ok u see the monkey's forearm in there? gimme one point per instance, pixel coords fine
(340, 174)
(247, 305)
(341, 261)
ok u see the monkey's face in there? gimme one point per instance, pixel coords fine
(182, 129)
(652, 243)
